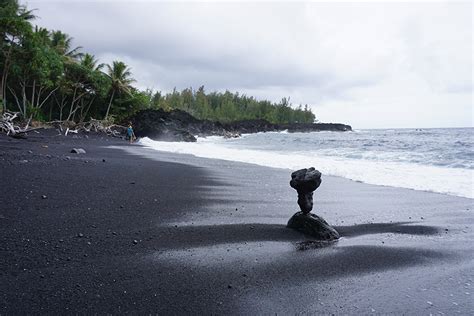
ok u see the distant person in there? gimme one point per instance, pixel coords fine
(130, 134)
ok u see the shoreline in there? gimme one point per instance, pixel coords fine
(404, 176)
(211, 238)
(288, 170)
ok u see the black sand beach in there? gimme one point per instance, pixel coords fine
(124, 229)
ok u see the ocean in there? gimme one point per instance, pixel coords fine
(436, 160)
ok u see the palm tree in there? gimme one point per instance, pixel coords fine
(121, 78)
(42, 35)
(90, 62)
(62, 43)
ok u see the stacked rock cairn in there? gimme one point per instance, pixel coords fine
(305, 182)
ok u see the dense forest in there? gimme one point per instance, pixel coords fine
(45, 77)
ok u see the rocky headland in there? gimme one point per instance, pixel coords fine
(178, 125)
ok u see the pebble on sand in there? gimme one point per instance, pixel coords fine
(78, 151)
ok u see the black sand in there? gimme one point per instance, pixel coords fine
(148, 232)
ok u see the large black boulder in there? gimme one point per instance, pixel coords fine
(175, 125)
(163, 126)
(313, 225)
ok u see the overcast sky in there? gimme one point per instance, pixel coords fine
(371, 65)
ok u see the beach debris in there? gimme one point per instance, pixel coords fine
(44, 197)
(80, 235)
(305, 182)
(74, 131)
(135, 241)
(13, 129)
(93, 125)
(78, 151)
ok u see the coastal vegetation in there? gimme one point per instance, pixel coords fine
(46, 78)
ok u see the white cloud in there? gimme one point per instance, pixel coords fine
(367, 64)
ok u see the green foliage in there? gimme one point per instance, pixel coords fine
(14, 21)
(45, 77)
(120, 79)
(228, 107)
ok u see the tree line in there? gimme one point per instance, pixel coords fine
(44, 77)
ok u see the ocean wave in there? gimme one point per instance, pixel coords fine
(458, 182)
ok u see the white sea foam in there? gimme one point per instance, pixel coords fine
(458, 182)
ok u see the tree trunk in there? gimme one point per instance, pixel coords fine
(110, 103)
(88, 108)
(23, 96)
(3, 82)
(16, 99)
(33, 88)
(75, 106)
(40, 105)
(2, 93)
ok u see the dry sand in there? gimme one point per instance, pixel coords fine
(151, 232)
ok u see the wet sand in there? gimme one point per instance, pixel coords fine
(124, 229)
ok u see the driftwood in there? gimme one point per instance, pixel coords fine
(92, 125)
(17, 130)
(103, 126)
(13, 129)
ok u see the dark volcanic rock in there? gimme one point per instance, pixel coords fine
(313, 225)
(305, 181)
(178, 125)
(164, 126)
(317, 127)
(175, 125)
(251, 126)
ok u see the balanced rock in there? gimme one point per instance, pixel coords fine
(313, 225)
(305, 182)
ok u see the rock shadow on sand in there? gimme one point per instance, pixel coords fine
(210, 235)
(384, 228)
(182, 237)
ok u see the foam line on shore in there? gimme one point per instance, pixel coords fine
(456, 182)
